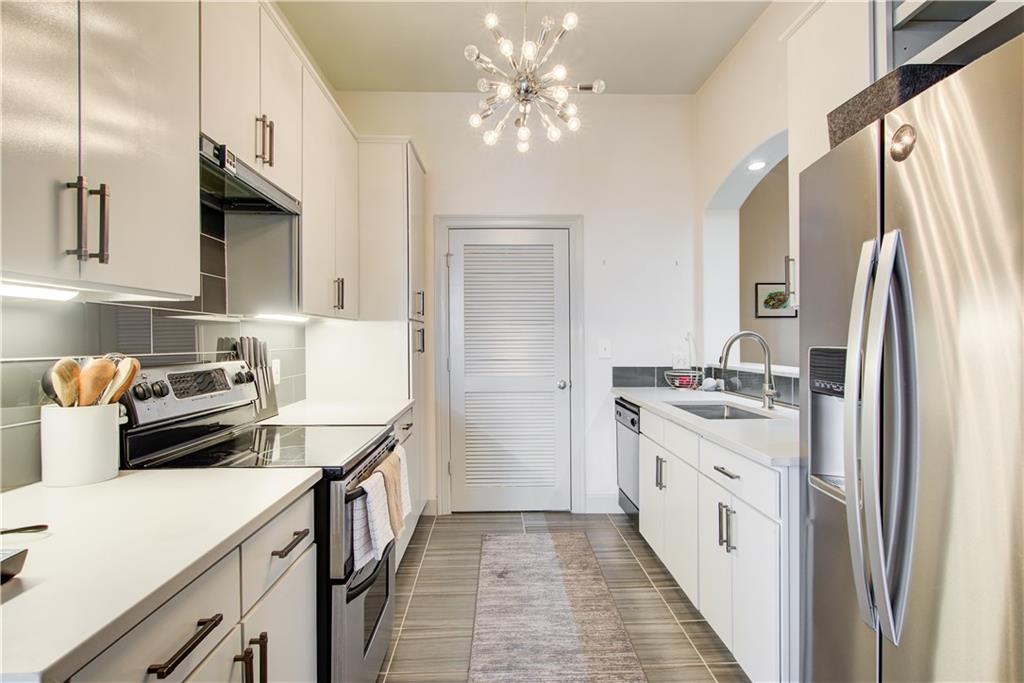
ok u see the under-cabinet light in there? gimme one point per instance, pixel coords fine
(30, 292)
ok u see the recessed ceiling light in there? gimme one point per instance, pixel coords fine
(30, 292)
(755, 165)
(283, 318)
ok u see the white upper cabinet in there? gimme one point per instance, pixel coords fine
(281, 103)
(40, 139)
(140, 130)
(252, 91)
(417, 239)
(318, 287)
(108, 92)
(330, 218)
(346, 222)
(231, 76)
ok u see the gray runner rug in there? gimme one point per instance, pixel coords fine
(544, 613)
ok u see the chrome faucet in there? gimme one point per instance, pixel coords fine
(768, 388)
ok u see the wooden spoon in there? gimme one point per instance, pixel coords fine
(94, 378)
(127, 368)
(60, 382)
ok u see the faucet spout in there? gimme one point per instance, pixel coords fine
(768, 387)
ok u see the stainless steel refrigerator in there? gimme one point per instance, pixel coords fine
(912, 299)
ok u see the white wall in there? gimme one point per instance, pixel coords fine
(720, 275)
(629, 174)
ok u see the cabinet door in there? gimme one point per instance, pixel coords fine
(40, 139)
(346, 219)
(715, 562)
(383, 231)
(220, 666)
(318, 289)
(756, 639)
(287, 614)
(417, 240)
(652, 505)
(140, 131)
(281, 102)
(231, 75)
(681, 552)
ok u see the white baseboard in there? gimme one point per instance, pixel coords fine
(603, 502)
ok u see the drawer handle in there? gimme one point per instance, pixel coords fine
(407, 426)
(722, 470)
(296, 540)
(261, 643)
(206, 627)
(246, 659)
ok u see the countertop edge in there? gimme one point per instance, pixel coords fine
(406, 404)
(72, 661)
(661, 409)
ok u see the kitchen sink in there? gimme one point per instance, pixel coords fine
(719, 411)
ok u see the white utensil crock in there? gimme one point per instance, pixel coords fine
(79, 445)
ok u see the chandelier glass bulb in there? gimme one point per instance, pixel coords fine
(512, 91)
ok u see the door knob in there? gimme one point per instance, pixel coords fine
(562, 384)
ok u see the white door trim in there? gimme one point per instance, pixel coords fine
(574, 224)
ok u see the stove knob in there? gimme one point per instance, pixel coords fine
(160, 389)
(240, 378)
(250, 377)
(142, 391)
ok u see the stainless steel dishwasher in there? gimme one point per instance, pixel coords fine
(627, 453)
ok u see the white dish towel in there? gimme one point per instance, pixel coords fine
(371, 530)
(406, 498)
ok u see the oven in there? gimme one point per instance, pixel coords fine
(362, 602)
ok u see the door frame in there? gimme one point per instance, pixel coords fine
(577, 393)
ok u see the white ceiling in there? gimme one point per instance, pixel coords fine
(636, 47)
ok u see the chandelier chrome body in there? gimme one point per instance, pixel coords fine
(527, 86)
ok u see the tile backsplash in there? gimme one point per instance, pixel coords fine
(739, 382)
(35, 333)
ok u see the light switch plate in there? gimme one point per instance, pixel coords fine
(604, 348)
(275, 369)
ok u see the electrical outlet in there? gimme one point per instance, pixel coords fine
(604, 349)
(275, 369)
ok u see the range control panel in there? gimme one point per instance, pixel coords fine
(169, 392)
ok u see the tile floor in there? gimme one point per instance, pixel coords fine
(436, 599)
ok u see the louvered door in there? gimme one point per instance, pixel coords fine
(509, 327)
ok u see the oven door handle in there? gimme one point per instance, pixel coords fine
(365, 584)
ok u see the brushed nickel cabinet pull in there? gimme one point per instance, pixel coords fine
(721, 527)
(103, 255)
(296, 540)
(270, 161)
(81, 187)
(729, 514)
(722, 470)
(246, 659)
(262, 121)
(261, 643)
(206, 627)
(421, 305)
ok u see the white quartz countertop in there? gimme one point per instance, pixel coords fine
(354, 412)
(117, 550)
(774, 442)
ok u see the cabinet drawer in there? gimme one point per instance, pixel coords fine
(756, 484)
(683, 443)
(164, 633)
(260, 565)
(653, 426)
(404, 425)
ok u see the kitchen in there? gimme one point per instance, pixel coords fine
(381, 276)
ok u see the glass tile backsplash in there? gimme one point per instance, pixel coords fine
(36, 333)
(738, 382)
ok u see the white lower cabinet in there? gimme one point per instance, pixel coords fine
(281, 628)
(716, 576)
(680, 536)
(652, 503)
(757, 601)
(227, 663)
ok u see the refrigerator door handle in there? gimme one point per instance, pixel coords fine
(891, 305)
(851, 430)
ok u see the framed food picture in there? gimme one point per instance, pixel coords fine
(770, 301)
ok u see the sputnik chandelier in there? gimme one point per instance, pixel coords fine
(528, 87)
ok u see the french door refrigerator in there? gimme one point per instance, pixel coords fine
(912, 298)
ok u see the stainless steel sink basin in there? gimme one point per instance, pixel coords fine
(719, 411)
